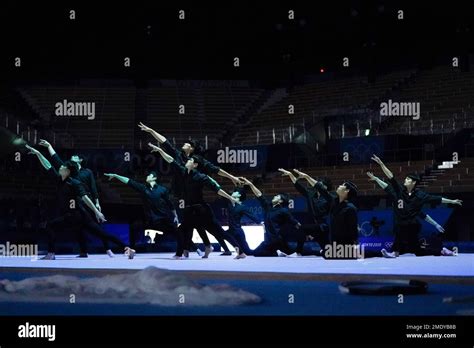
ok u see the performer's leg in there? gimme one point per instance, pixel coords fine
(136, 231)
(265, 249)
(82, 239)
(52, 227)
(202, 233)
(210, 223)
(239, 235)
(218, 231)
(94, 228)
(283, 246)
(433, 247)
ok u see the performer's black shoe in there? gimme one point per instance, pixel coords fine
(227, 253)
(82, 255)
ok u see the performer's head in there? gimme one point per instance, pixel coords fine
(69, 168)
(411, 181)
(191, 163)
(326, 182)
(281, 199)
(77, 158)
(191, 147)
(240, 194)
(152, 178)
(347, 191)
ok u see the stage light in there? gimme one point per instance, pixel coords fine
(321, 70)
(367, 132)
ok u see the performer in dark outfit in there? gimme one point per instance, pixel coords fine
(408, 202)
(160, 213)
(236, 213)
(86, 177)
(318, 207)
(277, 215)
(197, 213)
(71, 212)
(191, 148)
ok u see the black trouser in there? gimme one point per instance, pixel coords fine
(83, 222)
(319, 232)
(239, 235)
(199, 216)
(407, 241)
(90, 224)
(71, 220)
(270, 247)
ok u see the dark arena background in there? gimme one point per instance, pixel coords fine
(336, 90)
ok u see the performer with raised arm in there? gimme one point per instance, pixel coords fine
(160, 213)
(408, 201)
(189, 148)
(84, 175)
(236, 213)
(71, 212)
(276, 216)
(318, 207)
(343, 213)
(192, 148)
(197, 213)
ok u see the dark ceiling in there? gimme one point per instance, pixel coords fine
(269, 45)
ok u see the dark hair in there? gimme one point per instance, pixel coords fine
(285, 198)
(196, 145)
(73, 168)
(352, 190)
(243, 193)
(81, 157)
(415, 177)
(196, 159)
(326, 182)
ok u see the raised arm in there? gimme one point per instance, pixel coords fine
(163, 154)
(305, 176)
(289, 174)
(254, 189)
(160, 138)
(384, 168)
(224, 194)
(379, 181)
(235, 180)
(44, 162)
(46, 144)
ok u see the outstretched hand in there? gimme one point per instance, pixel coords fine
(245, 180)
(371, 175)
(154, 148)
(144, 128)
(300, 174)
(237, 181)
(110, 176)
(376, 159)
(284, 172)
(32, 151)
(100, 217)
(44, 143)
